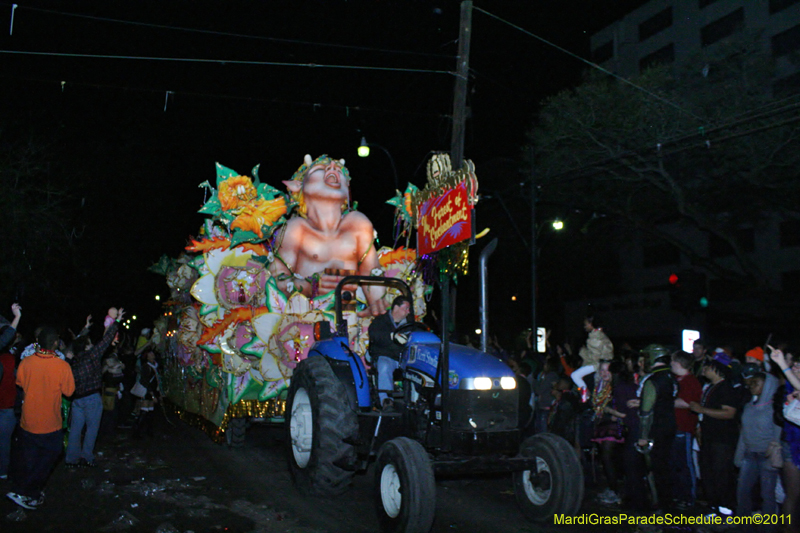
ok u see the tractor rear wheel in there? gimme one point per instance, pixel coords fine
(236, 432)
(556, 485)
(405, 488)
(318, 421)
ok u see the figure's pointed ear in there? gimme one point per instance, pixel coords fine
(307, 160)
(294, 186)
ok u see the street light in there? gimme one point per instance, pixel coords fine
(364, 149)
(558, 225)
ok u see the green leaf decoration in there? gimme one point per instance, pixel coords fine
(213, 377)
(224, 173)
(212, 206)
(163, 265)
(250, 347)
(244, 389)
(272, 389)
(239, 236)
(399, 202)
(197, 263)
(268, 192)
(208, 309)
(276, 300)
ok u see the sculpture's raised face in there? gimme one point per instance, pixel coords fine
(326, 181)
(322, 179)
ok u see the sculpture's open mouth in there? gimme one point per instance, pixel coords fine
(332, 179)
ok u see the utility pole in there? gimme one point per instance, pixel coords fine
(534, 247)
(456, 159)
(460, 93)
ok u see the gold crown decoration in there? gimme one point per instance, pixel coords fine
(442, 177)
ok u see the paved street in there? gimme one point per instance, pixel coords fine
(181, 481)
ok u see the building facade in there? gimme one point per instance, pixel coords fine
(665, 31)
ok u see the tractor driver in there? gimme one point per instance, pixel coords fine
(385, 345)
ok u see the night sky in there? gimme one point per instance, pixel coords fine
(134, 153)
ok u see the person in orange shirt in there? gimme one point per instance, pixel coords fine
(44, 378)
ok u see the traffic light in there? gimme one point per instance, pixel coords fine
(688, 291)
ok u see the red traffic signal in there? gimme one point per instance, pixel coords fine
(673, 279)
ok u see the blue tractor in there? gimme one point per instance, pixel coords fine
(337, 427)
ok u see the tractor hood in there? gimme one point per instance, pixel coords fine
(465, 362)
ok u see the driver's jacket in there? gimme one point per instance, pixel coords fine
(380, 338)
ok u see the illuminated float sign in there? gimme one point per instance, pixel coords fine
(444, 220)
(444, 208)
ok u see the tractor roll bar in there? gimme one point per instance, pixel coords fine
(341, 325)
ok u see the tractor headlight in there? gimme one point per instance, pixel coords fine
(482, 383)
(508, 382)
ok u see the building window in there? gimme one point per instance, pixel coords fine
(660, 255)
(780, 5)
(786, 86)
(745, 237)
(786, 42)
(790, 233)
(723, 27)
(662, 56)
(704, 3)
(604, 52)
(658, 22)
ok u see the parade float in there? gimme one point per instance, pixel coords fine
(249, 287)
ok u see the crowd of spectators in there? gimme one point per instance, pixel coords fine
(67, 388)
(663, 430)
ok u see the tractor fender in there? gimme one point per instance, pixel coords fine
(348, 367)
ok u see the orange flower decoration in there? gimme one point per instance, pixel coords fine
(221, 243)
(236, 191)
(395, 256)
(407, 203)
(260, 213)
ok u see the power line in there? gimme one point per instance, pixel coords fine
(347, 109)
(225, 61)
(237, 35)
(593, 65)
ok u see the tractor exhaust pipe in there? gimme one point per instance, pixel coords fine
(484, 309)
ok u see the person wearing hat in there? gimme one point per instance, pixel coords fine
(756, 355)
(759, 444)
(719, 434)
(657, 425)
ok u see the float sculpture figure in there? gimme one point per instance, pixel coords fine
(325, 240)
(260, 274)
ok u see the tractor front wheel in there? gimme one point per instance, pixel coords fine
(405, 488)
(555, 486)
(319, 421)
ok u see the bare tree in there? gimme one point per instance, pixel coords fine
(705, 144)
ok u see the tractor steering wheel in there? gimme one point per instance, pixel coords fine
(412, 326)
